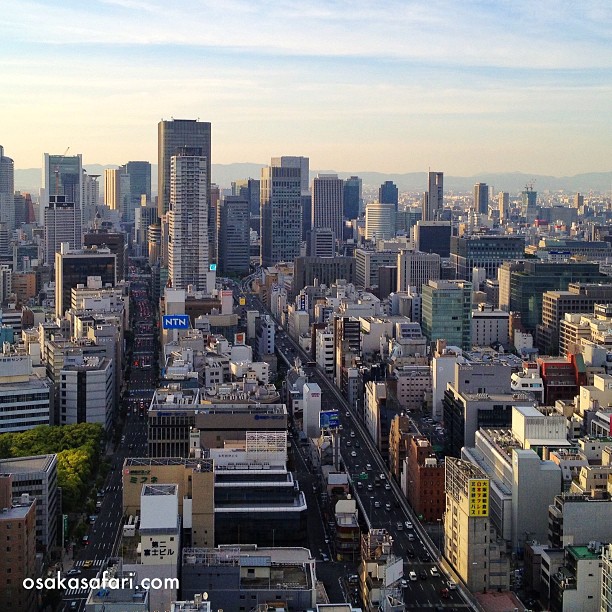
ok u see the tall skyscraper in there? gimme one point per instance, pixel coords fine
(117, 191)
(62, 175)
(90, 199)
(380, 221)
(140, 180)
(7, 191)
(62, 224)
(351, 199)
(388, 193)
(529, 202)
(174, 135)
(248, 188)
(281, 212)
(303, 163)
(327, 193)
(433, 200)
(503, 201)
(233, 231)
(188, 219)
(481, 198)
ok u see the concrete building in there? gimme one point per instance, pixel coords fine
(378, 415)
(18, 559)
(606, 579)
(281, 213)
(324, 350)
(62, 176)
(433, 201)
(7, 191)
(324, 270)
(487, 251)
(322, 242)
(233, 231)
(62, 220)
(380, 221)
(578, 583)
(241, 577)
(26, 400)
(37, 476)
(490, 326)
(466, 523)
(415, 268)
(412, 386)
(447, 310)
(87, 391)
(423, 481)
(171, 136)
(311, 410)
(188, 252)
(265, 335)
(367, 264)
(73, 267)
(433, 237)
(327, 203)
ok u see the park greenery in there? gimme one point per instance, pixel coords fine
(78, 455)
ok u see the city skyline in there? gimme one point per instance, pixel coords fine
(399, 87)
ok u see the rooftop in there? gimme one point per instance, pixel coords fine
(19, 465)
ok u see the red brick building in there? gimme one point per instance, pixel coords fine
(424, 480)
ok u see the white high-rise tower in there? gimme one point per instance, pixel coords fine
(188, 220)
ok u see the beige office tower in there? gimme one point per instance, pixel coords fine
(466, 522)
(503, 201)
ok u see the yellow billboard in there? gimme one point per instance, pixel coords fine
(242, 301)
(478, 489)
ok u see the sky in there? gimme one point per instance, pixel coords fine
(459, 86)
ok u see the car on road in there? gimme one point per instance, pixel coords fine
(85, 539)
(377, 504)
(347, 414)
(388, 507)
(368, 466)
(387, 486)
(408, 524)
(353, 454)
(410, 537)
(87, 564)
(400, 526)
(434, 571)
(74, 605)
(92, 519)
(412, 575)
(324, 557)
(404, 583)
(444, 593)
(423, 575)
(73, 572)
(451, 584)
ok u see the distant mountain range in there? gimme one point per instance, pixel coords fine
(223, 174)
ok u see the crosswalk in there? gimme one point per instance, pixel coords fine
(75, 592)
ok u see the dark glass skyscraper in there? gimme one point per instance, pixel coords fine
(352, 197)
(481, 198)
(388, 193)
(172, 136)
(233, 231)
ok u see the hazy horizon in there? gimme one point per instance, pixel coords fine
(402, 86)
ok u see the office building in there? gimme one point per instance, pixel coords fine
(433, 200)
(249, 189)
(322, 242)
(423, 479)
(73, 267)
(25, 399)
(415, 268)
(327, 207)
(351, 197)
(7, 191)
(37, 476)
(447, 312)
(188, 262)
(62, 221)
(18, 559)
(579, 298)
(63, 176)
(244, 577)
(433, 237)
(522, 285)
(87, 391)
(327, 270)
(140, 183)
(481, 198)
(114, 242)
(484, 251)
(468, 542)
(380, 221)
(367, 264)
(281, 213)
(233, 231)
(173, 136)
(388, 193)
(302, 164)
(503, 203)
(118, 192)
(490, 326)
(529, 198)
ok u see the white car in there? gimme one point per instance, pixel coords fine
(434, 571)
(408, 525)
(412, 575)
(451, 584)
(353, 454)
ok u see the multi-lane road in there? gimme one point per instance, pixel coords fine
(104, 531)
